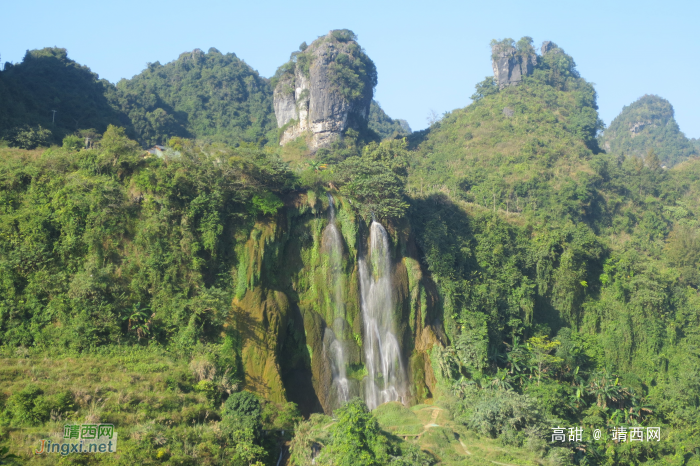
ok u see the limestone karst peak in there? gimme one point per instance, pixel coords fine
(511, 61)
(324, 89)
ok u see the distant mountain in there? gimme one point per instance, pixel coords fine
(519, 148)
(384, 125)
(48, 80)
(212, 96)
(648, 123)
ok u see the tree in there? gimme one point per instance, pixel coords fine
(376, 179)
(541, 347)
(356, 438)
(485, 88)
(30, 137)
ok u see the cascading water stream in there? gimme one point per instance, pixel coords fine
(336, 356)
(333, 246)
(386, 376)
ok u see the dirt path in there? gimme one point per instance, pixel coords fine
(464, 446)
(433, 418)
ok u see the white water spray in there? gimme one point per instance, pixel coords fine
(336, 356)
(386, 376)
(333, 246)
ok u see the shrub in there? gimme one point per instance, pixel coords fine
(73, 142)
(30, 137)
(29, 406)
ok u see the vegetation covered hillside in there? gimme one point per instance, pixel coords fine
(568, 276)
(48, 80)
(384, 125)
(210, 96)
(648, 124)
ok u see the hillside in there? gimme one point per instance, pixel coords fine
(210, 96)
(528, 229)
(648, 124)
(48, 80)
(384, 125)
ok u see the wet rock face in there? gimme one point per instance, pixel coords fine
(311, 103)
(509, 66)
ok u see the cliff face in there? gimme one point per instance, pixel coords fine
(316, 95)
(510, 65)
(291, 291)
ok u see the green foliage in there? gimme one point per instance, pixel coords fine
(30, 406)
(356, 438)
(243, 410)
(499, 412)
(6, 456)
(27, 137)
(87, 235)
(48, 80)
(73, 142)
(267, 204)
(208, 96)
(647, 124)
(281, 417)
(383, 125)
(485, 88)
(376, 179)
(343, 35)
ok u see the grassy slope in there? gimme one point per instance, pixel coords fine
(135, 389)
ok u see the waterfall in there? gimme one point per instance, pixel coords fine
(332, 347)
(386, 376)
(333, 245)
(334, 352)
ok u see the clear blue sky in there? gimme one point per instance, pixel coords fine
(429, 54)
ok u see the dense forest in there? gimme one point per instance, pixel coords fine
(546, 273)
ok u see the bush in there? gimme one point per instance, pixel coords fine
(267, 204)
(30, 137)
(501, 412)
(73, 143)
(29, 406)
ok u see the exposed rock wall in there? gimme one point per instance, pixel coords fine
(509, 66)
(310, 103)
(285, 302)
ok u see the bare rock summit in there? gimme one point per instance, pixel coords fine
(325, 89)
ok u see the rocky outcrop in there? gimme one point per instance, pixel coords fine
(311, 99)
(510, 65)
(637, 127)
(547, 46)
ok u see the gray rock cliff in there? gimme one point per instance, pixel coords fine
(312, 100)
(509, 66)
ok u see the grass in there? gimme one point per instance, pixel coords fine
(433, 430)
(148, 395)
